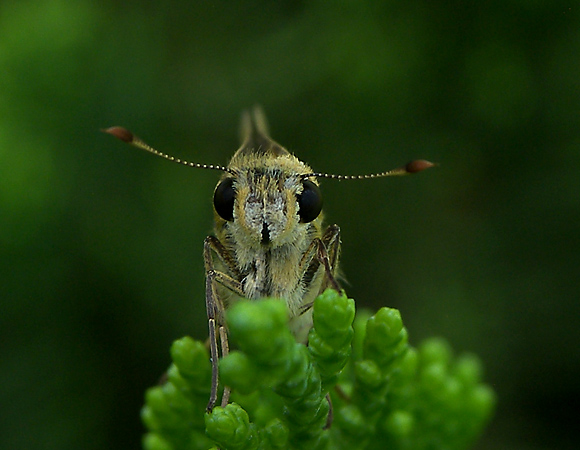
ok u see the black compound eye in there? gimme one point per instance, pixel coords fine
(309, 201)
(223, 199)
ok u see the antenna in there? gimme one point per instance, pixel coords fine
(412, 167)
(126, 136)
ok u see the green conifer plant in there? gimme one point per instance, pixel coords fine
(385, 393)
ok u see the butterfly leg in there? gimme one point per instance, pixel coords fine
(325, 252)
(215, 311)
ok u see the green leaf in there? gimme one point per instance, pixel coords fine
(330, 339)
(230, 427)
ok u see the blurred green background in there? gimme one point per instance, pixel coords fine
(101, 244)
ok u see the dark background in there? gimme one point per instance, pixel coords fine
(101, 265)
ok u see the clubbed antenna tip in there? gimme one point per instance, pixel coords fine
(120, 133)
(418, 166)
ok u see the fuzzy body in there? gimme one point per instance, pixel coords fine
(266, 239)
